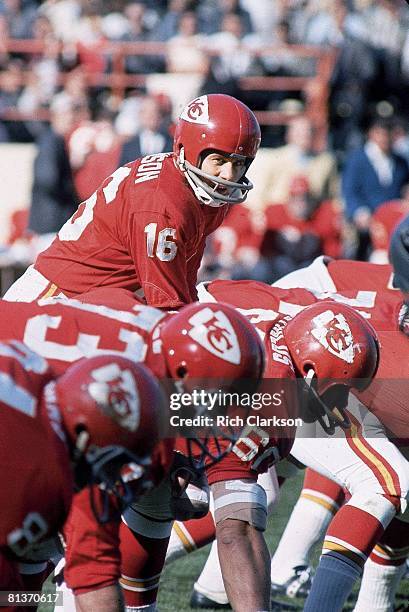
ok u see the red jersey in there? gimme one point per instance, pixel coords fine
(384, 220)
(387, 395)
(64, 331)
(381, 305)
(143, 229)
(36, 481)
(262, 443)
(325, 223)
(240, 235)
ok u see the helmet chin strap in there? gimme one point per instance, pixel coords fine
(329, 418)
(82, 441)
(208, 194)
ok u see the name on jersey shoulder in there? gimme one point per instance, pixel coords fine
(150, 167)
(280, 352)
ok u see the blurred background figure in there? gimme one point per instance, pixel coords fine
(94, 149)
(300, 229)
(266, 245)
(372, 174)
(20, 17)
(382, 224)
(274, 172)
(152, 136)
(168, 25)
(211, 14)
(54, 198)
(137, 31)
(185, 50)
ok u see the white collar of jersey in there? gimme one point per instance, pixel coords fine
(208, 193)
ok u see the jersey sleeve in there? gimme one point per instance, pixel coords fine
(158, 247)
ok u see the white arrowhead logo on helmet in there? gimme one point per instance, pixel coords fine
(214, 332)
(115, 392)
(333, 332)
(197, 111)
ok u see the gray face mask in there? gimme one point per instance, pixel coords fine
(207, 190)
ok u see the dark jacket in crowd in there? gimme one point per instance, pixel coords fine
(53, 198)
(361, 186)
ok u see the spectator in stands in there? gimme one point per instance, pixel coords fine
(353, 76)
(54, 198)
(90, 39)
(234, 60)
(4, 36)
(185, 50)
(94, 150)
(382, 224)
(64, 15)
(168, 25)
(234, 248)
(151, 137)
(299, 230)
(76, 91)
(273, 173)
(372, 174)
(20, 18)
(329, 26)
(127, 121)
(138, 32)
(400, 138)
(11, 86)
(386, 32)
(212, 12)
(42, 69)
(267, 245)
(264, 14)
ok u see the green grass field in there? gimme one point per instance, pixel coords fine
(178, 578)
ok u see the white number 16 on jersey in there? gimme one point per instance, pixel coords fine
(165, 248)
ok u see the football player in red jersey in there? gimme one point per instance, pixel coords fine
(382, 477)
(381, 467)
(240, 504)
(145, 228)
(176, 346)
(82, 428)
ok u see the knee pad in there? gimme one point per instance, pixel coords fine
(241, 500)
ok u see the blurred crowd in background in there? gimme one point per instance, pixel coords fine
(342, 199)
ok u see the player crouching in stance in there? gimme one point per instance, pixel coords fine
(58, 435)
(145, 228)
(330, 349)
(202, 344)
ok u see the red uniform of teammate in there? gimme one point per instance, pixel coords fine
(101, 402)
(386, 399)
(35, 501)
(66, 330)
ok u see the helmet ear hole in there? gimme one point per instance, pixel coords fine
(181, 371)
(79, 428)
(307, 366)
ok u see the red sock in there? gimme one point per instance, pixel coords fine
(141, 566)
(352, 533)
(321, 484)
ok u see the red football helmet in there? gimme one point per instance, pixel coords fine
(112, 412)
(210, 347)
(216, 122)
(334, 349)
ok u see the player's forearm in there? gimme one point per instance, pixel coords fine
(245, 563)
